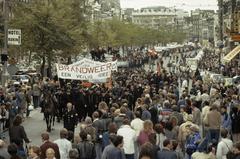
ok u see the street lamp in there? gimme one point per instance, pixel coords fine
(220, 46)
(5, 49)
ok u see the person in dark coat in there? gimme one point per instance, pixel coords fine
(154, 113)
(13, 150)
(235, 117)
(153, 140)
(166, 152)
(90, 101)
(17, 132)
(48, 144)
(80, 104)
(85, 148)
(70, 118)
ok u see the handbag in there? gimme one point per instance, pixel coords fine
(30, 107)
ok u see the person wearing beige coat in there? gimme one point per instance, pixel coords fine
(184, 131)
(213, 121)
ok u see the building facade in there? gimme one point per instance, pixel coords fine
(154, 17)
(202, 25)
(231, 21)
(105, 9)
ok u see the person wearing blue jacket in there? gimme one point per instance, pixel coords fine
(226, 119)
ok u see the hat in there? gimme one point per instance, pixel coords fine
(190, 117)
(182, 106)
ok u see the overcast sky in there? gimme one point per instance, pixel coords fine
(183, 4)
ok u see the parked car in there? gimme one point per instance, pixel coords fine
(21, 78)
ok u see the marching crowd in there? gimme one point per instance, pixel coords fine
(144, 115)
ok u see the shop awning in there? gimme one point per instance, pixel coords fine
(232, 54)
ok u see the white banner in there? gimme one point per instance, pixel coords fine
(90, 63)
(86, 70)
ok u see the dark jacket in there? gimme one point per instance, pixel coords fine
(86, 150)
(146, 115)
(111, 152)
(47, 145)
(70, 120)
(167, 154)
(17, 133)
(235, 117)
(154, 114)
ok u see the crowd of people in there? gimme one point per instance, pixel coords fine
(144, 115)
(211, 63)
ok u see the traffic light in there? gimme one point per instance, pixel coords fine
(4, 58)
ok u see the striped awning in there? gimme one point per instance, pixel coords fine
(232, 54)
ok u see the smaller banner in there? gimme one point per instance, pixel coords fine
(192, 63)
(232, 54)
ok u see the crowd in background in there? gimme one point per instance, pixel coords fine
(144, 115)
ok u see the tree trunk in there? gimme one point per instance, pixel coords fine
(49, 70)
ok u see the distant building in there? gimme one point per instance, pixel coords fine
(231, 21)
(105, 9)
(202, 25)
(154, 17)
(126, 14)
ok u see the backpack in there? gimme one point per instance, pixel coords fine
(191, 143)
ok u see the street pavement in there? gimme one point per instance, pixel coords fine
(35, 125)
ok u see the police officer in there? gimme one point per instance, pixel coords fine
(70, 118)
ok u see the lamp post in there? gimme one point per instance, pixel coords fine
(220, 46)
(5, 49)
